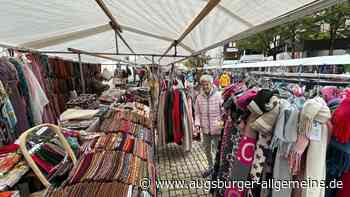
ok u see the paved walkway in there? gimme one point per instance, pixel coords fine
(175, 164)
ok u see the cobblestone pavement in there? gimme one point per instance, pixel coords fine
(176, 164)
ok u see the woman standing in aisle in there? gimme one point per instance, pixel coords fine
(208, 118)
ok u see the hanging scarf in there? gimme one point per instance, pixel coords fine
(285, 135)
(267, 120)
(341, 123)
(285, 131)
(264, 125)
(261, 102)
(313, 121)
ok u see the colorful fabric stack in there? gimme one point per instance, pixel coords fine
(84, 101)
(97, 189)
(12, 167)
(120, 157)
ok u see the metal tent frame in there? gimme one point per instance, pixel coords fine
(174, 43)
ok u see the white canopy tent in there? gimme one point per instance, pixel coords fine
(152, 26)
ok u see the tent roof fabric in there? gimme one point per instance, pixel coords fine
(148, 26)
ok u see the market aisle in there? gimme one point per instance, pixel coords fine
(176, 164)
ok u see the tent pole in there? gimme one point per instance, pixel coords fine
(114, 24)
(81, 74)
(97, 55)
(116, 42)
(203, 13)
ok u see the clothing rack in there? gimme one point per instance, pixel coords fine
(307, 78)
(303, 75)
(311, 82)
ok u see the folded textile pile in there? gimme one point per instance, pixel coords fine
(111, 166)
(84, 101)
(12, 168)
(98, 189)
(78, 114)
(123, 142)
(111, 95)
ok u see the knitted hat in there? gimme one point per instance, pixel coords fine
(243, 101)
(260, 102)
(341, 123)
(266, 121)
(233, 89)
(329, 93)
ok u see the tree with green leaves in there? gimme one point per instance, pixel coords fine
(337, 18)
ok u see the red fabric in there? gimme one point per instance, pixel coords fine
(341, 123)
(6, 194)
(43, 164)
(243, 101)
(177, 129)
(216, 82)
(9, 148)
(129, 144)
(71, 133)
(345, 191)
(232, 89)
(245, 151)
(234, 192)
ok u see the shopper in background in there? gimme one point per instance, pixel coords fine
(225, 80)
(208, 118)
(96, 84)
(141, 74)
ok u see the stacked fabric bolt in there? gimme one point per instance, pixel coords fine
(135, 116)
(124, 126)
(122, 142)
(12, 168)
(84, 101)
(8, 161)
(98, 189)
(109, 166)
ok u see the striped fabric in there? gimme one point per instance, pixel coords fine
(208, 112)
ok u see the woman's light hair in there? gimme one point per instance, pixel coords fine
(207, 78)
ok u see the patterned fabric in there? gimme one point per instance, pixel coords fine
(12, 177)
(9, 78)
(8, 118)
(236, 157)
(38, 99)
(260, 154)
(98, 189)
(111, 166)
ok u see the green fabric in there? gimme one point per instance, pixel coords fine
(347, 68)
(74, 144)
(47, 157)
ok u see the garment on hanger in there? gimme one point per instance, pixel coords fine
(175, 119)
(9, 78)
(313, 125)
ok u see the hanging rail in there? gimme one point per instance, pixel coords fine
(304, 75)
(78, 51)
